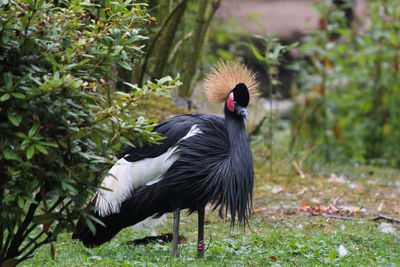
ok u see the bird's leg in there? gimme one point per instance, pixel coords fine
(200, 239)
(175, 237)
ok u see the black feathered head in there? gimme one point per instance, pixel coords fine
(232, 83)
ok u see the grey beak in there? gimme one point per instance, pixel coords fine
(243, 113)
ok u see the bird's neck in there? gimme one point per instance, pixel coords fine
(241, 175)
(236, 128)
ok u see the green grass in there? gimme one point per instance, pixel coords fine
(291, 241)
(275, 236)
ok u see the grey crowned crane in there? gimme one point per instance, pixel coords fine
(204, 158)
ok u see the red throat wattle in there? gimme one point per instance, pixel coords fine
(229, 103)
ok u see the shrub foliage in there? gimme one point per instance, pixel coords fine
(61, 119)
(351, 79)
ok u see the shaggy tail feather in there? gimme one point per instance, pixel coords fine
(137, 208)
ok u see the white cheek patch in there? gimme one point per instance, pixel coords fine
(124, 177)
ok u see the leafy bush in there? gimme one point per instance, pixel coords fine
(351, 82)
(61, 121)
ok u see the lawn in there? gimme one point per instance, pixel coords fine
(296, 222)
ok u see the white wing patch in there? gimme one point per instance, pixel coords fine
(192, 132)
(124, 177)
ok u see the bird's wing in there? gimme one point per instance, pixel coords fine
(144, 165)
(191, 180)
(172, 129)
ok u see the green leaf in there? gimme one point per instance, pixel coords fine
(256, 53)
(42, 149)
(117, 50)
(24, 21)
(46, 218)
(4, 97)
(164, 80)
(7, 80)
(133, 86)
(277, 51)
(5, 37)
(50, 59)
(90, 224)
(15, 119)
(34, 129)
(30, 152)
(290, 47)
(23, 78)
(18, 95)
(49, 144)
(9, 154)
(125, 65)
(122, 94)
(97, 220)
(39, 4)
(21, 135)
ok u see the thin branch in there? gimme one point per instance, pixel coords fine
(33, 226)
(43, 231)
(1, 236)
(28, 255)
(257, 128)
(332, 216)
(8, 241)
(178, 45)
(387, 218)
(65, 205)
(31, 242)
(18, 238)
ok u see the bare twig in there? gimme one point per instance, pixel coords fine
(387, 218)
(299, 170)
(257, 128)
(12, 250)
(28, 255)
(332, 216)
(178, 45)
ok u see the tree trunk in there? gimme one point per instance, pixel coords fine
(202, 23)
(165, 43)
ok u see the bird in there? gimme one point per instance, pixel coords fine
(203, 159)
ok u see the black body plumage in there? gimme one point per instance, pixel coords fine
(215, 165)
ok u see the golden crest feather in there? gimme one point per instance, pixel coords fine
(224, 76)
